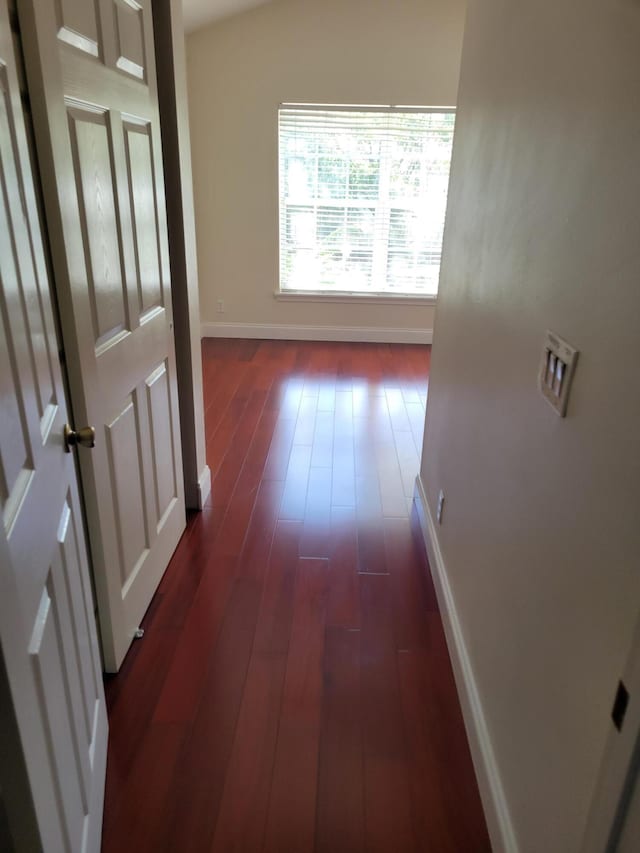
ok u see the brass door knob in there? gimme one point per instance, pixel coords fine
(85, 437)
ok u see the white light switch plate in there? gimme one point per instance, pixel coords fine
(557, 366)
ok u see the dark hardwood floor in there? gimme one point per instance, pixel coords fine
(293, 690)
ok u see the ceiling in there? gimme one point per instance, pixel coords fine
(197, 13)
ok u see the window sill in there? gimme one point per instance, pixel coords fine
(371, 298)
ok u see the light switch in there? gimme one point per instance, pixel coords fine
(557, 366)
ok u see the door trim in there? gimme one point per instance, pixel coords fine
(618, 764)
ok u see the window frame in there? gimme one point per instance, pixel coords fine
(331, 295)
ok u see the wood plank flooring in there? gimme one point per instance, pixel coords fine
(293, 690)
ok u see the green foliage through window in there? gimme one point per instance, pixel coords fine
(363, 198)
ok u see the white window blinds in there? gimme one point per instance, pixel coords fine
(363, 194)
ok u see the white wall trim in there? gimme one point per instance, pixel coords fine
(204, 486)
(317, 333)
(503, 839)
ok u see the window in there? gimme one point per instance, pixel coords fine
(363, 193)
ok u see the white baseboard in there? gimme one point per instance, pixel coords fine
(503, 839)
(204, 486)
(278, 332)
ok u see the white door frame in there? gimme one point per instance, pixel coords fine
(612, 787)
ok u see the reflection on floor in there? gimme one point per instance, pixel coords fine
(293, 690)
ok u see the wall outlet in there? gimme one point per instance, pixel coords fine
(220, 306)
(440, 506)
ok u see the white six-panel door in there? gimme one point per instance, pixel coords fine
(91, 74)
(47, 625)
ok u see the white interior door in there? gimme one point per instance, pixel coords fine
(91, 73)
(47, 626)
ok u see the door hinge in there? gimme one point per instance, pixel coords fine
(620, 705)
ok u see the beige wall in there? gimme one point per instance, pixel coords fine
(541, 529)
(313, 51)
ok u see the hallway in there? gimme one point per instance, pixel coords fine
(293, 690)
